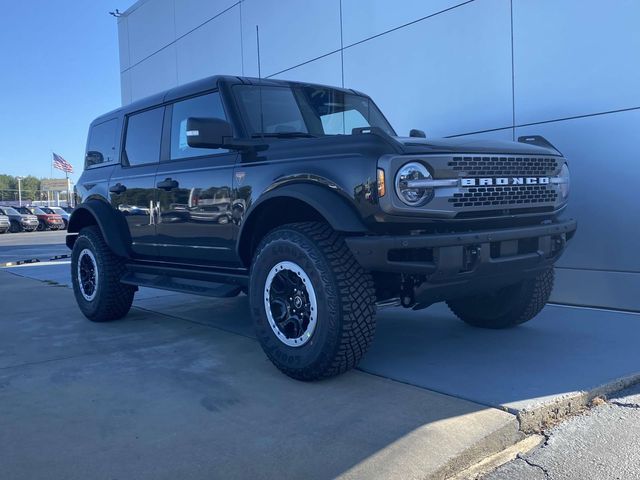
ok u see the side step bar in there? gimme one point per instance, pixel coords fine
(195, 281)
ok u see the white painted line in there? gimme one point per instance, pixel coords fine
(39, 264)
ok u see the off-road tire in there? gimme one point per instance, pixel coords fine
(507, 307)
(113, 299)
(345, 301)
(15, 227)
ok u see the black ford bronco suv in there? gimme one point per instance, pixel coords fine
(303, 197)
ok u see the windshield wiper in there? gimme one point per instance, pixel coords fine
(284, 135)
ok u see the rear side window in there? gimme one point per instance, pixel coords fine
(101, 147)
(142, 143)
(205, 106)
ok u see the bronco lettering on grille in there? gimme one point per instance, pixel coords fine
(474, 182)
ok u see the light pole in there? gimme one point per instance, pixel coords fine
(19, 190)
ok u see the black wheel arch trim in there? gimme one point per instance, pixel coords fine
(330, 204)
(112, 225)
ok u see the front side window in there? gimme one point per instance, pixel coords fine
(306, 111)
(101, 147)
(142, 143)
(204, 106)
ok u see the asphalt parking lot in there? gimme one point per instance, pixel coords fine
(180, 389)
(30, 245)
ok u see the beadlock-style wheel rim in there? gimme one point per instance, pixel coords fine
(87, 274)
(290, 304)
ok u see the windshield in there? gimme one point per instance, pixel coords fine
(10, 211)
(35, 211)
(306, 111)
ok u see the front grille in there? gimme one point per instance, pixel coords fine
(507, 166)
(511, 195)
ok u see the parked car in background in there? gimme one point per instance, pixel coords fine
(68, 209)
(46, 221)
(19, 222)
(59, 211)
(5, 224)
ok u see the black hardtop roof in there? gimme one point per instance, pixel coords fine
(202, 85)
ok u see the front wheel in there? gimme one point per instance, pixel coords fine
(41, 226)
(508, 306)
(312, 304)
(95, 274)
(15, 227)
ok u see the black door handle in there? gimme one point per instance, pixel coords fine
(168, 184)
(117, 188)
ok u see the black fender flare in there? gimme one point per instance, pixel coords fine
(330, 204)
(112, 224)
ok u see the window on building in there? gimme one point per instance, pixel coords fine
(205, 106)
(144, 131)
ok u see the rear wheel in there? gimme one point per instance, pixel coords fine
(508, 306)
(15, 227)
(312, 304)
(95, 273)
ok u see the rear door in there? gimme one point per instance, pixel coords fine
(132, 184)
(195, 190)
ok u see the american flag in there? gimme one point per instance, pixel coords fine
(61, 164)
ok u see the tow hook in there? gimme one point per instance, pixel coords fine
(407, 297)
(407, 300)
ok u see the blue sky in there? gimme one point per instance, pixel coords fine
(60, 69)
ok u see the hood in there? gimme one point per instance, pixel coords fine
(413, 145)
(28, 216)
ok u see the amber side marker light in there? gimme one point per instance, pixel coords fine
(381, 187)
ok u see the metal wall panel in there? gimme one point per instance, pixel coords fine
(361, 20)
(125, 87)
(325, 70)
(156, 73)
(123, 42)
(448, 74)
(575, 57)
(604, 161)
(151, 27)
(190, 14)
(212, 49)
(597, 288)
(291, 32)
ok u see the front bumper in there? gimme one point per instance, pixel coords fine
(457, 256)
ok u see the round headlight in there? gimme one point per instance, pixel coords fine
(413, 196)
(564, 182)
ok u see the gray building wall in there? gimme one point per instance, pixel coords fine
(567, 70)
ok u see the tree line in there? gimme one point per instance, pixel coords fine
(30, 186)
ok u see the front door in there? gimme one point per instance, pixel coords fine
(194, 188)
(132, 186)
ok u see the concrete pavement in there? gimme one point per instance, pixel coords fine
(540, 371)
(154, 396)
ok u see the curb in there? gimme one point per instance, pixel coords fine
(539, 418)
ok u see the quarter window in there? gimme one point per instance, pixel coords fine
(144, 131)
(101, 147)
(204, 106)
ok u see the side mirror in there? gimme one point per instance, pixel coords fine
(417, 133)
(93, 158)
(208, 132)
